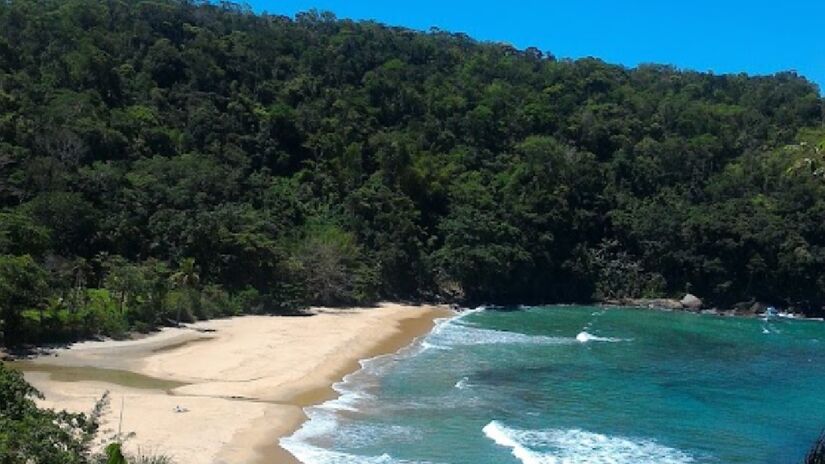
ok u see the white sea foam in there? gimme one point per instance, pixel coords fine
(359, 434)
(310, 454)
(584, 337)
(770, 328)
(505, 437)
(442, 324)
(456, 333)
(347, 401)
(324, 420)
(573, 446)
(430, 346)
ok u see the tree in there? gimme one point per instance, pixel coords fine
(482, 248)
(70, 219)
(123, 279)
(22, 286)
(187, 279)
(155, 275)
(20, 234)
(387, 226)
(329, 262)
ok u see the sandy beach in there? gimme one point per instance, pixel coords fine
(242, 382)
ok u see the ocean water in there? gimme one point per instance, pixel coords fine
(575, 385)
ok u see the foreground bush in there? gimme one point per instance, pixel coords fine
(32, 435)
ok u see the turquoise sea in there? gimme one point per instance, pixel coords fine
(573, 384)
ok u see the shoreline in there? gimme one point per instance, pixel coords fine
(243, 382)
(406, 332)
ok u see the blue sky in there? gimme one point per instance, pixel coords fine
(757, 36)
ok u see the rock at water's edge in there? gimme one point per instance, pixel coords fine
(691, 301)
(758, 308)
(660, 303)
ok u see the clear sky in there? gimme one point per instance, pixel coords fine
(756, 36)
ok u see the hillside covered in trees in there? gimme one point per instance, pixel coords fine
(167, 160)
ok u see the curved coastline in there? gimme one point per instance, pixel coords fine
(478, 379)
(243, 386)
(406, 332)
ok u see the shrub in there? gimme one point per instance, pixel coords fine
(216, 302)
(102, 317)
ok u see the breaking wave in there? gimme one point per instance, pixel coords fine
(573, 446)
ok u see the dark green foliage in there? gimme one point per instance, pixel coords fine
(22, 285)
(29, 435)
(315, 160)
(330, 265)
(20, 234)
(114, 454)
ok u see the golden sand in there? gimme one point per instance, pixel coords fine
(242, 382)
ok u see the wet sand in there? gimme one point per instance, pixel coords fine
(243, 381)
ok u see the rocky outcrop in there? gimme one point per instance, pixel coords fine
(660, 303)
(691, 302)
(758, 308)
(750, 308)
(688, 302)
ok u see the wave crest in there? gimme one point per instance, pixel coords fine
(573, 446)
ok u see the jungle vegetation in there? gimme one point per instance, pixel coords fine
(170, 160)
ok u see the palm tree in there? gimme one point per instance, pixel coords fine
(187, 279)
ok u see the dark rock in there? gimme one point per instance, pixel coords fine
(757, 308)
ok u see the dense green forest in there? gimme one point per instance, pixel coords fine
(168, 160)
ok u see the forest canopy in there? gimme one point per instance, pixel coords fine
(168, 160)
